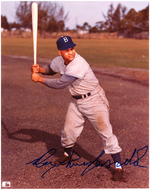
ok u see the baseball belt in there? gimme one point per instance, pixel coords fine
(82, 96)
(97, 89)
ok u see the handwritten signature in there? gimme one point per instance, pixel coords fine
(44, 161)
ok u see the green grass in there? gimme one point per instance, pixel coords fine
(101, 53)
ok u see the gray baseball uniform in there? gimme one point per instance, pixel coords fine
(88, 101)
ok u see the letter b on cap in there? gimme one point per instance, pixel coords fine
(65, 39)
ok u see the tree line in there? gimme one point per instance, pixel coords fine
(118, 20)
(52, 18)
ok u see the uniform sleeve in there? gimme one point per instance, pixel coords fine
(56, 66)
(48, 70)
(60, 83)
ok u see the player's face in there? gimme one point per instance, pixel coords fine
(68, 55)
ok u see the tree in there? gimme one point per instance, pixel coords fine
(131, 19)
(117, 20)
(4, 22)
(86, 26)
(138, 19)
(93, 30)
(51, 16)
(23, 14)
(108, 24)
(114, 18)
(14, 25)
(52, 25)
(144, 21)
(61, 25)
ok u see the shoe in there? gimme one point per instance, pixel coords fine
(62, 159)
(118, 175)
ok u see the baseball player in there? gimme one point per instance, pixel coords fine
(88, 100)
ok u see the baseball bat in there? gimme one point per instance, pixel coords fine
(34, 29)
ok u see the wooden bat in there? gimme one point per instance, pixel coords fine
(34, 29)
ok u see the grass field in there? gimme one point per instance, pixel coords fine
(98, 52)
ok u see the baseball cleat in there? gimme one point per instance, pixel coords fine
(118, 175)
(62, 159)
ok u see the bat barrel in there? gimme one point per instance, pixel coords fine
(34, 29)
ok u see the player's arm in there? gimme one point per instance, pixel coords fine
(59, 83)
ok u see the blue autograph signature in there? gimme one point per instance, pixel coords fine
(43, 161)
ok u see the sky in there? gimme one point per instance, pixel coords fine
(79, 11)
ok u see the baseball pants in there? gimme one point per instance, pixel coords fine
(96, 109)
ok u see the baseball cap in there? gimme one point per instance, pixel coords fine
(65, 42)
